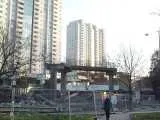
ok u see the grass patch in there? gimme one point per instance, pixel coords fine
(27, 116)
(146, 116)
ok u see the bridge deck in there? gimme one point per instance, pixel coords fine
(65, 67)
(99, 69)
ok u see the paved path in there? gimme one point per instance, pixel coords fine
(117, 116)
(122, 115)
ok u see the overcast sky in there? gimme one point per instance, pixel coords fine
(125, 22)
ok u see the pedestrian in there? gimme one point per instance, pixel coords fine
(107, 107)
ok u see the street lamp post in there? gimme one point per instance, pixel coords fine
(13, 85)
(147, 34)
(159, 40)
(157, 14)
(13, 97)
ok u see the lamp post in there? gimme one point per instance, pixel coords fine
(13, 85)
(13, 96)
(157, 14)
(159, 39)
(158, 31)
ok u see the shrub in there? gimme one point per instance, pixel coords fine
(27, 116)
(146, 116)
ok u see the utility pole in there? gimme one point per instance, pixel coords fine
(159, 38)
(157, 14)
(159, 43)
(13, 98)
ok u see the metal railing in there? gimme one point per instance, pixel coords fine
(65, 102)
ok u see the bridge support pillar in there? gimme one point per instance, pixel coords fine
(53, 85)
(63, 80)
(111, 83)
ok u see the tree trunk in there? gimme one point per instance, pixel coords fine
(130, 93)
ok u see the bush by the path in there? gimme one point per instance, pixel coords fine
(146, 116)
(22, 116)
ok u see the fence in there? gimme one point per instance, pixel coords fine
(54, 101)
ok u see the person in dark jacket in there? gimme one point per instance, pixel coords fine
(107, 107)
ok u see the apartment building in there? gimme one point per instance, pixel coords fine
(85, 44)
(36, 24)
(4, 13)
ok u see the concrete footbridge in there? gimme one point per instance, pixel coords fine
(64, 69)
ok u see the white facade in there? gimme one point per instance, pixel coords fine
(47, 34)
(85, 44)
(4, 13)
(37, 25)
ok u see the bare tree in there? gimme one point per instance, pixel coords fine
(12, 61)
(129, 60)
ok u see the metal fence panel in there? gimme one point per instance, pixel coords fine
(33, 100)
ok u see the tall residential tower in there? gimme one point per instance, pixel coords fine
(85, 44)
(36, 24)
(4, 12)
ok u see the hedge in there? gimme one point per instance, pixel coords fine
(146, 116)
(25, 116)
